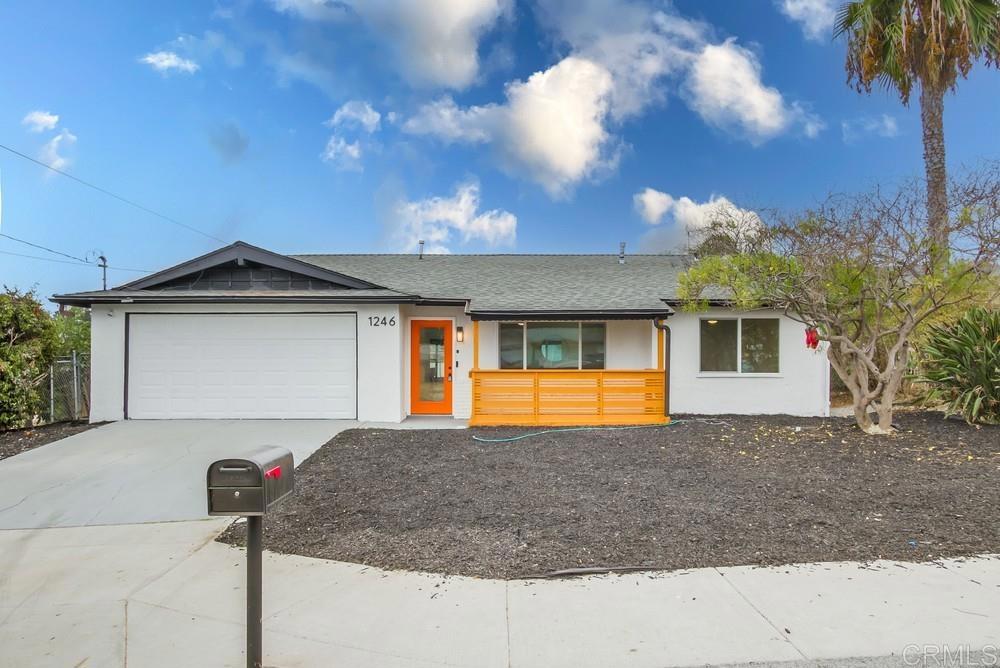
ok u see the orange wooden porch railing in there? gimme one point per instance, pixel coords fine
(567, 397)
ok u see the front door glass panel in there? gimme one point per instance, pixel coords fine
(432, 364)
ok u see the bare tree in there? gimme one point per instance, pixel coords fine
(860, 271)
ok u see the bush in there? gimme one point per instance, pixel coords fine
(72, 328)
(27, 346)
(961, 365)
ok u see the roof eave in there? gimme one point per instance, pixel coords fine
(572, 314)
(88, 300)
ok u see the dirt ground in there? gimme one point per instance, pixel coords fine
(719, 491)
(16, 441)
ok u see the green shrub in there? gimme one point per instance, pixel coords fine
(72, 328)
(27, 345)
(961, 365)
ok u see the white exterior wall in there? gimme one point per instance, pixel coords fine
(489, 345)
(801, 386)
(380, 352)
(461, 391)
(631, 344)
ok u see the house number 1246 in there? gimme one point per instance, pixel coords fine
(375, 321)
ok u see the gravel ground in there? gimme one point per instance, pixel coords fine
(16, 441)
(719, 491)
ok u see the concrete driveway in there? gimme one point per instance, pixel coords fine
(138, 471)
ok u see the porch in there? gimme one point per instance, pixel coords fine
(571, 397)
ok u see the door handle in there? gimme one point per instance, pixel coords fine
(449, 377)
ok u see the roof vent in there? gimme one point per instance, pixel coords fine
(421, 252)
(621, 253)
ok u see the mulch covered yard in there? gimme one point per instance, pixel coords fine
(15, 441)
(746, 490)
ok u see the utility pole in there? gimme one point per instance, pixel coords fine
(103, 264)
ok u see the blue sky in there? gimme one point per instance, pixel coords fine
(481, 126)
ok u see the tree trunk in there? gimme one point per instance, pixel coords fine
(854, 373)
(932, 123)
(896, 368)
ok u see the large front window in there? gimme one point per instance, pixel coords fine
(739, 345)
(552, 345)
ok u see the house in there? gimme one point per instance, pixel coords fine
(497, 339)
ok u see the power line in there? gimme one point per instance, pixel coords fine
(73, 262)
(111, 194)
(44, 248)
(46, 259)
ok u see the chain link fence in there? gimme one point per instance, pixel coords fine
(65, 390)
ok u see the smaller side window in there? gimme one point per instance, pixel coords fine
(759, 345)
(511, 345)
(718, 345)
(592, 345)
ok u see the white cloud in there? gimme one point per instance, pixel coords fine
(553, 124)
(816, 16)
(638, 46)
(551, 127)
(725, 88)
(447, 121)
(167, 61)
(434, 47)
(435, 219)
(343, 154)
(812, 124)
(684, 218)
(558, 127)
(38, 121)
(51, 153)
(435, 44)
(883, 125)
(356, 112)
(652, 205)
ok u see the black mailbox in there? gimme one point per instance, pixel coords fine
(251, 485)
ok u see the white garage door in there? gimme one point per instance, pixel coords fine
(242, 366)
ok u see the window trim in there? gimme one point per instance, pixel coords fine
(739, 373)
(524, 344)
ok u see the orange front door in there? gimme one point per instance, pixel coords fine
(430, 367)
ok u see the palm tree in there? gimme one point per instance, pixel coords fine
(929, 43)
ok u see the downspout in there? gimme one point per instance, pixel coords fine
(661, 325)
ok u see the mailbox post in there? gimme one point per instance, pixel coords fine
(248, 487)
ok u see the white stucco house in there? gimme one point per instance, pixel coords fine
(496, 339)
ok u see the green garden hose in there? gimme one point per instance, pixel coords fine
(511, 439)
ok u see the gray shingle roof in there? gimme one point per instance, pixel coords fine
(522, 282)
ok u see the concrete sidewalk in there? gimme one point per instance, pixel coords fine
(168, 595)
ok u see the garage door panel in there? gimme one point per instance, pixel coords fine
(242, 366)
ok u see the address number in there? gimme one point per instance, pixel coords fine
(375, 321)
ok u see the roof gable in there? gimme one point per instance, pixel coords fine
(242, 266)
